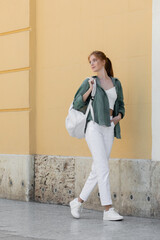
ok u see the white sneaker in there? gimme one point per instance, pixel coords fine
(76, 207)
(111, 214)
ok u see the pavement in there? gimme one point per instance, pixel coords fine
(33, 221)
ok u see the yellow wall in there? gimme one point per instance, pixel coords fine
(66, 32)
(14, 76)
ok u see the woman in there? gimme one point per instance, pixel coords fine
(108, 106)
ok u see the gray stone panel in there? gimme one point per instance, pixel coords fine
(54, 179)
(155, 189)
(135, 187)
(17, 177)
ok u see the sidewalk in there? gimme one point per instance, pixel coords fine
(31, 220)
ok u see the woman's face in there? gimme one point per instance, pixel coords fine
(96, 63)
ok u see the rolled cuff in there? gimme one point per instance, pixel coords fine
(78, 102)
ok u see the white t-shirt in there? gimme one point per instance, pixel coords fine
(112, 96)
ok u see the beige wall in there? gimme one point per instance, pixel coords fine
(14, 76)
(35, 102)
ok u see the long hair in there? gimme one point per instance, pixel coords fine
(108, 64)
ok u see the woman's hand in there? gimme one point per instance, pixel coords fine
(116, 119)
(86, 95)
(91, 82)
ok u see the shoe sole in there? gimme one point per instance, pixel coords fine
(113, 219)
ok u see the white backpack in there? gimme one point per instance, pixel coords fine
(75, 121)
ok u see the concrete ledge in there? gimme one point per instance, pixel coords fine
(58, 179)
(134, 183)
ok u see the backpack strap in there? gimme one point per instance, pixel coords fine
(91, 100)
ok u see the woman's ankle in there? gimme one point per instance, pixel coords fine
(107, 207)
(80, 200)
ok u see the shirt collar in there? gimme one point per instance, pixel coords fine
(98, 80)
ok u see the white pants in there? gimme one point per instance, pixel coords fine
(99, 139)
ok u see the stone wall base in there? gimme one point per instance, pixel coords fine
(134, 183)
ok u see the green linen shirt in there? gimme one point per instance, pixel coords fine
(101, 104)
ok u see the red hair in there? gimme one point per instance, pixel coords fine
(108, 64)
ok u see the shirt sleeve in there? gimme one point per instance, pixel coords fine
(121, 100)
(78, 98)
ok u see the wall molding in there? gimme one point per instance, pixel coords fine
(16, 31)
